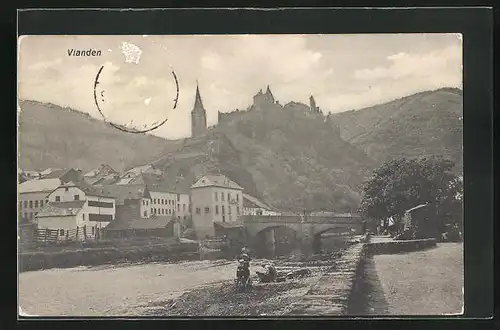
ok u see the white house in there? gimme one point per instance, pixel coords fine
(215, 198)
(33, 196)
(73, 205)
(253, 206)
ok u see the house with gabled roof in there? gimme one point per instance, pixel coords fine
(169, 194)
(33, 196)
(215, 200)
(84, 204)
(254, 206)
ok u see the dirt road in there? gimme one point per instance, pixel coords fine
(426, 282)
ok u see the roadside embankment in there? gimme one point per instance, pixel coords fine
(331, 294)
(390, 246)
(171, 250)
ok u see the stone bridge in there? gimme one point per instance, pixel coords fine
(307, 228)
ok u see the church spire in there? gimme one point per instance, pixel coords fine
(198, 104)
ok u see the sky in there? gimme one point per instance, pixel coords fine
(136, 86)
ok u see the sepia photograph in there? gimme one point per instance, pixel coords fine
(245, 175)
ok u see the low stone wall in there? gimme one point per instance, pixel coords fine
(332, 293)
(98, 256)
(393, 247)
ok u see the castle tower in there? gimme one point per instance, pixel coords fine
(312, 104)
(269, 95)
(198, 116)
(263, 100)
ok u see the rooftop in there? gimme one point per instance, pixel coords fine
(123, 192)
(250, 201)
(87, 188)
(61, 209)
(42, 185)
(151, 223)
(216, 180)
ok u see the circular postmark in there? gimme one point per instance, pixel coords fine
(128, 109)
(100, 100)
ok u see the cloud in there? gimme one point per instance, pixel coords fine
(403, 65)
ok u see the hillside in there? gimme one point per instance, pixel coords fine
(51, 136)
(427, 123)
(288, 155)
(296, 158)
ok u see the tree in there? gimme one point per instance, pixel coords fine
(401, 184)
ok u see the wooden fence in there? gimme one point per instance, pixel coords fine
(54, 236)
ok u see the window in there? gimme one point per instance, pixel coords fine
(58, 199)
(25, 204)
(228, 197)
(154, 210)
(222, 196)
(20, 205)
(216, 196)
(145, 213)
(46, 201)
(31, 204)
(26, 215)
(36, 204)
(229, 209)
(178, 197)
(237, 197)
(223, 218)
(223, 210)
(178, 207)
(77, 197)
(184, 207)
(198, 210)
(216, 209)
(170, 211)
(61, 232)
(154, 201)
(100, 204)
(83, 216)
(100, 217)
(237, 209)
(41, 203)
(207, 210)
(65, 189)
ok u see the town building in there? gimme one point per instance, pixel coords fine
(215, 199)
(72, 205)
(64, 174)
(253, 206)
(169, 195)
(161, 227)
(33, 196)
(198, 116)
(128, 197)
(103, 175)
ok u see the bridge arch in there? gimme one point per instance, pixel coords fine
(276, 239)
